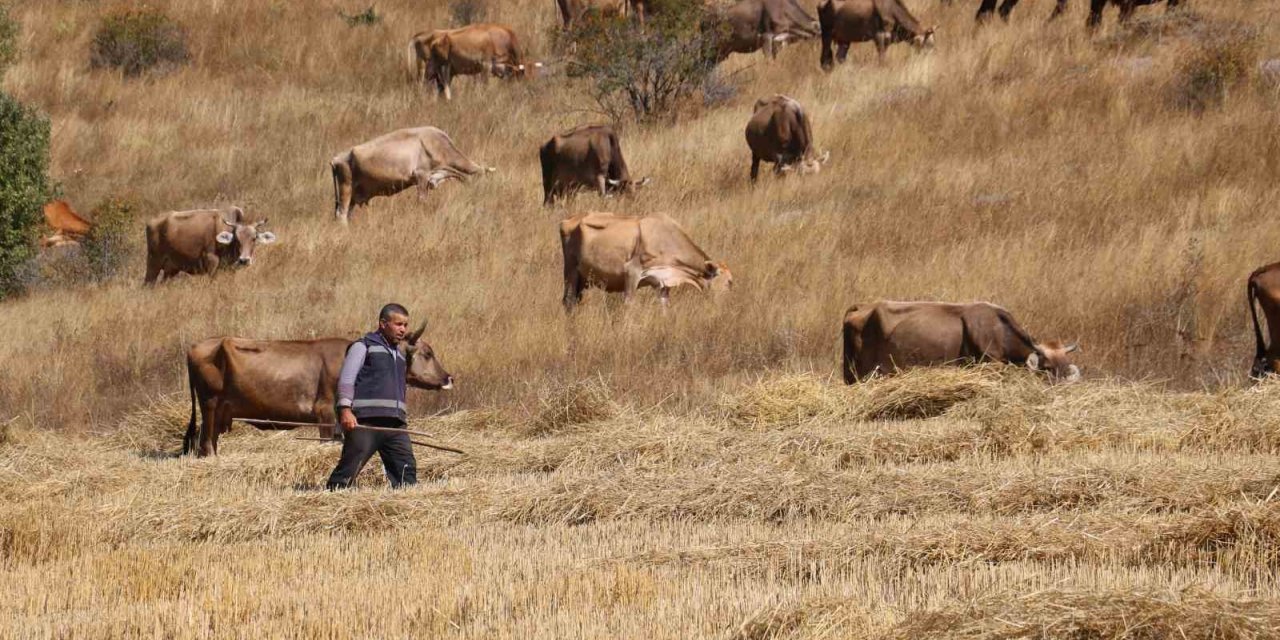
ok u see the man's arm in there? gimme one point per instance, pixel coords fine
(346, 391)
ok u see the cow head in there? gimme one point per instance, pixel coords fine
(424, 371)
(807, 165)
(924, 41)
(240, 239)
(1054, 359)
(716, 276)
(628, 186)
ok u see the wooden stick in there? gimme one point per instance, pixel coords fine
(287, 423)
(412, 441)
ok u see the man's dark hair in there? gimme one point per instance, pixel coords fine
(390, 308)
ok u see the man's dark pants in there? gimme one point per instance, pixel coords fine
(359, 445)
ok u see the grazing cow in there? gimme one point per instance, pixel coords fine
(572, 11)
(751, 25)
(888, 336)
(1264, 291)
(1095, 9)
(69, 229)
(478, 49)
(780, 132)
(286, 380)
(423, 157)
(622, 254)
(201, 241)
(587, 157)
(845, 22)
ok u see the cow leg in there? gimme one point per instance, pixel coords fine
(1058, 9)
(883, 39)
(664, 297)
(842, 53)
(985, 10)
(1005, 8)
(343, 188)
(755, 167)
(601, 185)
(210, 263)
(421, 181)
(824, 57)
(1095, 13)
(1126, 10)
(208, 427)
(153, 271)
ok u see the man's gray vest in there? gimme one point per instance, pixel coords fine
(380, 383)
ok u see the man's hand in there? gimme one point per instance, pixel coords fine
(347, 420)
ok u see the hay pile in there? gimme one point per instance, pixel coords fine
(1072, 615)
(570, 406)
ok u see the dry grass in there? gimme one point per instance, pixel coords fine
(693, 473)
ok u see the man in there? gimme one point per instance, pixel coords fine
(371, 391)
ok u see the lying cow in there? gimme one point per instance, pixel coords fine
(752, 25)
(478, 49)
(780, 132)
(621, 254)
(201, 241)
(1263, 290)
(884, 337)
(67, 225)
(885, 22)
(588, 157)
(423, 157)
(286, 380)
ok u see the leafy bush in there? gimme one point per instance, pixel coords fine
(139, 40)
(366, 18)
(24, 186)
(1218, 63)
(465, 12)
(106, 248)
(648, 71)
(8, 39)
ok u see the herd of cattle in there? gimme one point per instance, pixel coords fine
(293, 381)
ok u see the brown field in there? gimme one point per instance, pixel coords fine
(698, 473)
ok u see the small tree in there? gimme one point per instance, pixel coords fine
(24, 187)
(645, 71)
(139, 40)
(465, 12)
(8, 39)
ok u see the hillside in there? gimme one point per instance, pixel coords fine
(696, 472)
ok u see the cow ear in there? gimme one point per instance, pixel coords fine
(1072, 348)
(225, 237)
(237, 214)
(266, 237)
(1033, 362)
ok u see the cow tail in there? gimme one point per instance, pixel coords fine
(547, 155)
(189, 440)
(337, 189)
(1252, 296)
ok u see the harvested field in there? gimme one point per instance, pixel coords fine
(693, 472)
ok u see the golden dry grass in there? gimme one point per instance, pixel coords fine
(698, 473)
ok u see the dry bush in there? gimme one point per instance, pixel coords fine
(465, 12)
(136, 41)
(1217, 63)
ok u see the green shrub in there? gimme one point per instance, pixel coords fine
(24, 187)
(465, 12)
(139, 40)
(645, 72)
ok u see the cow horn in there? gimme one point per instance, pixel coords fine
(413, 337)
(1073, 347)
(261, 223)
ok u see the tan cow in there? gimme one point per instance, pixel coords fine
(751, 25)
(69, 229)
(883, 21)
(1263, 290)
(478, 49)
(588, 157)
(286, 380)
(423, 157)
(572, 11)
(621, 254)
(780, 132)
(884, 337)
(201, 241)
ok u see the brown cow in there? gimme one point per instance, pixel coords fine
(885, 336)
(780, 132)
(201, 241)
(845, 22)
(750, 25)
(477, 49)
(572, 11)
(423, 157)
(286, 380)
(1263, 290)
(622, 254)
(59, 216)
(587, 157)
